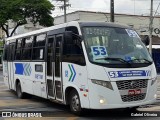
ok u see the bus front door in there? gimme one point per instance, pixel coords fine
(58, 66)
(50, 67)
(54, 79)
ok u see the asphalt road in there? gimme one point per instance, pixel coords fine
(46, 110)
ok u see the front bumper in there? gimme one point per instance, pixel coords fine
(104, 98)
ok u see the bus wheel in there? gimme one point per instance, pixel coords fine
(133, 108)
(19, 92)
(75, 104)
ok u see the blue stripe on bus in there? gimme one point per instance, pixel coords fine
(23, 69)
(19, 68)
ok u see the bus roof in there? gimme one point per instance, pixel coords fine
(64, 25)
(37, 31)
(108, 24)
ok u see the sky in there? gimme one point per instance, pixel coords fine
(135, 7)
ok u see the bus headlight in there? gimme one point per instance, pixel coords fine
(153, 80)
(106, 84)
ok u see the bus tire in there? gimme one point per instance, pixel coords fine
(74, 102)
(19, 92)
(133, 108)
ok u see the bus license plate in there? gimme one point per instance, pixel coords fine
(134, 92)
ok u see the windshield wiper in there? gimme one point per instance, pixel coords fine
(114, 59)
(140, 60)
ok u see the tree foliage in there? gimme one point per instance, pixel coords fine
(19, 11)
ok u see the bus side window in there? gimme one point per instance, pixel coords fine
(73, 29)
(39, 47)
(18, 49)
(11, 51)
(27, 48)
(50, 56)
(73, 52)
(5, 52)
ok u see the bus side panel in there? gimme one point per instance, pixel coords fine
(38, 76)
(32, 77)
(23, 72)
(11, 75)
(76, 76)
(5, 73)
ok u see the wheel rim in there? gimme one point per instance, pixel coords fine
(75, 103)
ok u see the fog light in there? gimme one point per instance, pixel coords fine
(102, 101)
(155, 96)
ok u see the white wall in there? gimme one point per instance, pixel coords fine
(140, 23)
(70, 17)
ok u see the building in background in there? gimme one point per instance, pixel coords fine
(138, 22)
(23, 28)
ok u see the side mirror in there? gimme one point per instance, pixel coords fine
(68, 36)
(146, 40)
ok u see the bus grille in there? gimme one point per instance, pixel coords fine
(127, 84)
(132, 84)
(129, 98)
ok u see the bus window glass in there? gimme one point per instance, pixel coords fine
(50, 55)
(11, 51)
(19, 44)
(18, 49)
(5, 52)
(72, 51)
(39, 47)
(27, 48)
(108, 45)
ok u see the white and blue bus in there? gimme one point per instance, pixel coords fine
(91, 65)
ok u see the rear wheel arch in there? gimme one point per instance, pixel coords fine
(19, 90)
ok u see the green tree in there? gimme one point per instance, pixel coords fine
(19, 11)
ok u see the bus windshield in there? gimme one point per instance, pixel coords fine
(110, 45)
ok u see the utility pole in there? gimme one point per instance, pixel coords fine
(112, 11)
(63, 7)
(134, 7)
(151, 28)
(65, 16)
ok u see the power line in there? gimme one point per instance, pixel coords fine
(157, 9)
